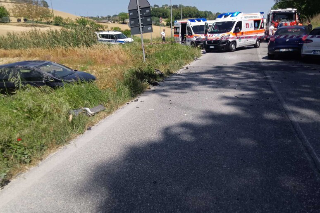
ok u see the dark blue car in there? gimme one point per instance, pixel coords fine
(39, 73)
(287, 40)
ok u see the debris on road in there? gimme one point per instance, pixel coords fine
(88, 111)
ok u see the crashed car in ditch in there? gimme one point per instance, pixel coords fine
(39, 73)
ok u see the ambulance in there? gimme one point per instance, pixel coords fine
(190, 32)
(236, 29)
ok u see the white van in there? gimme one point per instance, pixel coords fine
(233, 30)
(190, 32)
(113, 37)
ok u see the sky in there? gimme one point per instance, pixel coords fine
(112, 7)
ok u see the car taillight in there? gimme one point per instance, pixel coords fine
(306, 40)
(272, 38)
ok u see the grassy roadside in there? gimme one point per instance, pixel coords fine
(316, 21)
(35, 121)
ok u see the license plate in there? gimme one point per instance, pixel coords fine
(286, 50)
(316, 52)
(212, 47)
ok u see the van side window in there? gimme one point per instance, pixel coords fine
(105, 36)
(112, 37)
(239, 24)
(257, 24)
(189, 31)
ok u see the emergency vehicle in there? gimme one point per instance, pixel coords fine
(113, 37)
(236, 29)
(281, 17)
(190, 32)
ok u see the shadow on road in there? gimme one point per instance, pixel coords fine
(246, 161)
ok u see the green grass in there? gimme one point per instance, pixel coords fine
(76, 37)
(36, 120)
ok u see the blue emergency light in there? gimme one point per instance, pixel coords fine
(197, 20)
(232, 14)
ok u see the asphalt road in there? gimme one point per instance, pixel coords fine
(234, 132)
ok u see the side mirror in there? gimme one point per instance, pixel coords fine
(237, 30)
(206, 31)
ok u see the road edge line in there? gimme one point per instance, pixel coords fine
(309, 150)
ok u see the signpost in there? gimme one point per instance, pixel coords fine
(140, 19)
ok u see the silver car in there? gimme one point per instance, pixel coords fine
(311, 44)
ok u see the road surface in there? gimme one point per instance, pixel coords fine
(232, 132)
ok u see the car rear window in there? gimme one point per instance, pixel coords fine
(291, 31)
(315, 32)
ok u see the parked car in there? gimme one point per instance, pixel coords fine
(39, 73)
(311, 44)
(113, 37)
(287, 40)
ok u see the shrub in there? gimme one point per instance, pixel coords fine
(58, 21)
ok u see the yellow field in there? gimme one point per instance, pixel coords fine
(22, 27)
(9, 6)
(15, 27)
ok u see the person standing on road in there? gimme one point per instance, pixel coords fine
(309, 26)
(163, 35)
(271, 30)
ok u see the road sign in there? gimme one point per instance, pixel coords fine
(140, 19)
(140, 13)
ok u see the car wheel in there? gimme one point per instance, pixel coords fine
(232, 46)
(207, 50)
(270, 56)
(257, 44)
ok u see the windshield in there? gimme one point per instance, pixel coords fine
(120, 36)
(198, 29)
(290, 31)
(57, 70)
(284, 17)
(221, 27)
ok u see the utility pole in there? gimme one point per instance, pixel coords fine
(181, 10)
(171, 19)
(142, 43)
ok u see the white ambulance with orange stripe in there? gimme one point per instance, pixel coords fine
(190, 32)
(233, 30)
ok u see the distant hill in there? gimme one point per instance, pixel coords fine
(8, 4)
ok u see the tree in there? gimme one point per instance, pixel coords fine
(123, 16)
(4, 12)
(306, 8)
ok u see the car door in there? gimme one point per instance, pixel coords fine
(31, 76)
(240, 39)
(314, 36)
(189, 35)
